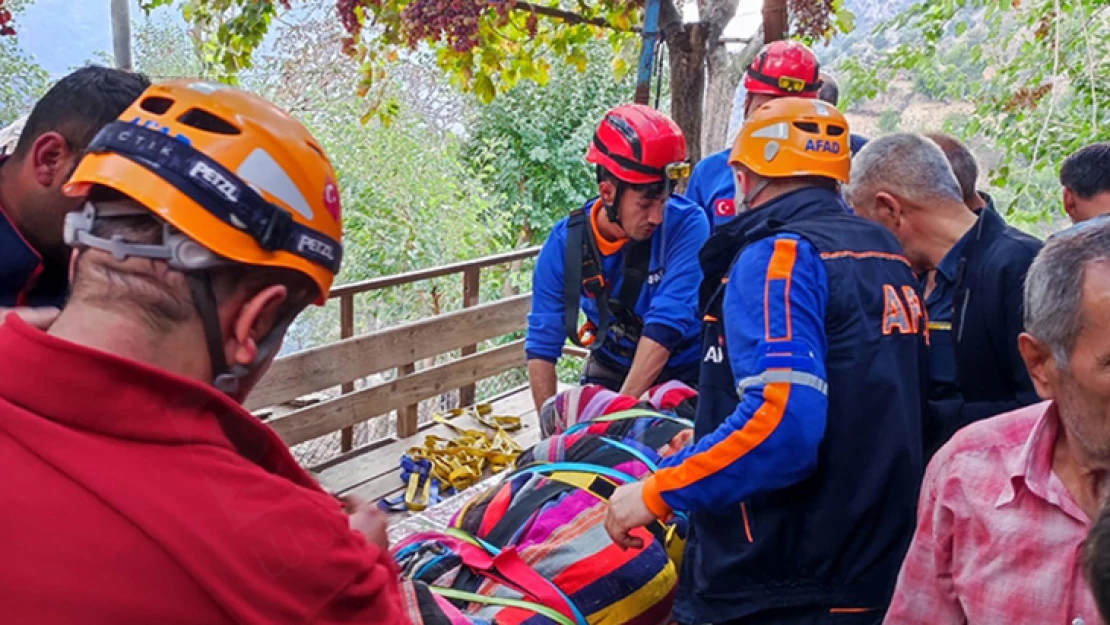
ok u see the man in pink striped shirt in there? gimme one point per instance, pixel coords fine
(1007, 503)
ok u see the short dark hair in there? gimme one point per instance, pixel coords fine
(651, 190)
(829, 91)
(962, 162)
(1096, 561)
(1087, 171)
(80, 104)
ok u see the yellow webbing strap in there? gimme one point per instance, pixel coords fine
(461, 461)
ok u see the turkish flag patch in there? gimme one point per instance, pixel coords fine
(725, 208)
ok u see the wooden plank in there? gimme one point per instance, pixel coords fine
(385, 459)
(346, 331)
(472, 284)
(346, 410)
(331, 365)
(408, 417)
(433, 272)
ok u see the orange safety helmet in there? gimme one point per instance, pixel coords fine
(229, 170)
(790, 137)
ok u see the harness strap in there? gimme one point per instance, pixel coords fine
(583, 270)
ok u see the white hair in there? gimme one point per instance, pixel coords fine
(907, 165)
(1054, 284)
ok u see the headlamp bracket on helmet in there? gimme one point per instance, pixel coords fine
(178, 250)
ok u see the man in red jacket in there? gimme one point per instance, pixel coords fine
(136, 488)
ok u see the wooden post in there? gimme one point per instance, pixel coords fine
(346, 331)
(472, 283)
(409, 416)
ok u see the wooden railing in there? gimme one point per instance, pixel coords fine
(399, 348)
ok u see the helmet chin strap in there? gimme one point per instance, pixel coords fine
(750, 196)
(612, 210)
(227, 378)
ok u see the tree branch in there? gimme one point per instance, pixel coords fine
(569, 17)
(718, 13)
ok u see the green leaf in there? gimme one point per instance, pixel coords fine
(484, 89)
(620, 67)
(961, 28)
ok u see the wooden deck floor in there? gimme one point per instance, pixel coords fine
(374, 472)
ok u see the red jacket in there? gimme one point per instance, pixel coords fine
(133, 496)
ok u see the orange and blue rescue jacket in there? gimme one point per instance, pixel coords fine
(801, 485)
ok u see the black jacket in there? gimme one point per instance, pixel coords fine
(987, 318)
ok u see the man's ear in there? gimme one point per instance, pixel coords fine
(255, 318)
(1040, 363)
(51, 159)
(889, 209)
(1069, 203)
(608, 192)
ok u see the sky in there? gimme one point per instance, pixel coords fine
(85, 33)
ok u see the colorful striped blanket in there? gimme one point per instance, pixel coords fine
(534, 550)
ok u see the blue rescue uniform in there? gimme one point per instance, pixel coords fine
(667, 304)
(802, 482)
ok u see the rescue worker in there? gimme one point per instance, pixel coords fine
(629, 260)
(781, 69)
(137, 488)
(801, 483)
(34, 260)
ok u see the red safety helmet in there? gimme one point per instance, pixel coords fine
(640, 145)
(784, 68)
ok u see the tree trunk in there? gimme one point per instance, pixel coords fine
(775, 20)
(726, 69)
(723, 73)
(686, 47)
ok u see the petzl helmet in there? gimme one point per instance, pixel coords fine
(235, 180)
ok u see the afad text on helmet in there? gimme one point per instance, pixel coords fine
(822, 145)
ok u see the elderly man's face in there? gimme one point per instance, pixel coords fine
(1081, 388)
